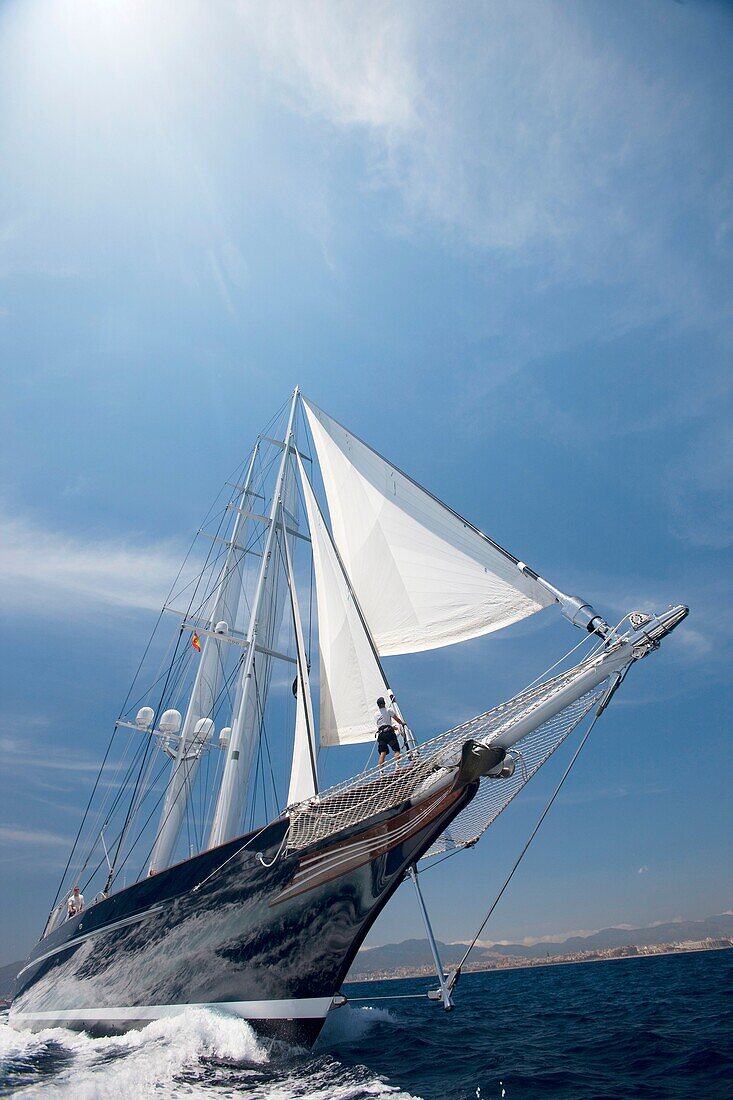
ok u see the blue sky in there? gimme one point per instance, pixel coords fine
(495, 239)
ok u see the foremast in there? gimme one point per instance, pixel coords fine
(198, 723)
(239, 752)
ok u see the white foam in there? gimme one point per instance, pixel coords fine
(349, 1023)
(172, 1057)
(332, 1082)
(138, 1063)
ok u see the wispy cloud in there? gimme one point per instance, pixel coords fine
(43, 761)
(29, 752)
(12, 834)
(49, 570)
(552, 937)
(348, 62)
(530, 136)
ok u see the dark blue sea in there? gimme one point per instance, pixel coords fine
(658, 1027)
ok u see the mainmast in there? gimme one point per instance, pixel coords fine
(233, 789)
(198, 724)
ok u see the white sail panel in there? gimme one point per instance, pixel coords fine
(303, 780)
(351, 679)
(423, 576)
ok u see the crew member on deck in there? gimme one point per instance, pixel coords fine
(76, 902)
(386, 736)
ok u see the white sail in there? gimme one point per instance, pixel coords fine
(424, 577)
(303, 776)
(351, 679)
(302, 784)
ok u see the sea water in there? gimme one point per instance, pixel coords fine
(654, 1027)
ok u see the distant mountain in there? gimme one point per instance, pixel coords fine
(407, 953)
(412, 954)
(710, 928)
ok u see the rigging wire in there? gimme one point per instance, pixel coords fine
(456, 972)
(455, 975)
(101, 771)
(257, 535)
(180, 792)
(133, 808)
(141, 754)
(164, 666)
(589, 639)
(116, 838)
(112, 738)
(163, 694)
(155, 780)
(81, 826)
(148, 744)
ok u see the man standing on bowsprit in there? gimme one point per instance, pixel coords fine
(386, 736)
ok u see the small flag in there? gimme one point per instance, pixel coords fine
(196, 643)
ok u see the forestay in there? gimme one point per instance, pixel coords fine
(423, 576)
(351, 679)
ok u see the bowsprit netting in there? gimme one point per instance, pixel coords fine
(494, 795)
(425, 768)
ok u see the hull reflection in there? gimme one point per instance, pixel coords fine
(271, 944)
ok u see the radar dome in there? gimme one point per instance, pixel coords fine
(203, 729)
(224, 734)
(221, 628)
(145, 717)
(170, 721)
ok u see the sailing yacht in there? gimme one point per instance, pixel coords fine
(213, 886)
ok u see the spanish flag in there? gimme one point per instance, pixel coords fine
(196, 643)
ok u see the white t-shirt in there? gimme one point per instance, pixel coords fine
(384, 717)
(77, 901)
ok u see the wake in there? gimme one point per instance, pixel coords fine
(196, 1054)
(135, 1064)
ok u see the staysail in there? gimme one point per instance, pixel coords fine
(303, 775)
(424, 577)
(351, 678)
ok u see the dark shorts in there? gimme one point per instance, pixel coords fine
(387, 738)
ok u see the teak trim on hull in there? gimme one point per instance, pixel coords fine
(332, 862)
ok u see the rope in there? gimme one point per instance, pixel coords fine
(278, 853)
(249, 840)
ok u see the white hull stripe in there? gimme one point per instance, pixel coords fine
(302, 1008)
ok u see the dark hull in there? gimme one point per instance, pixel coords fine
(222, 930)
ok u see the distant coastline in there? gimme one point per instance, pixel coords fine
(558, 960)
(412, 958)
